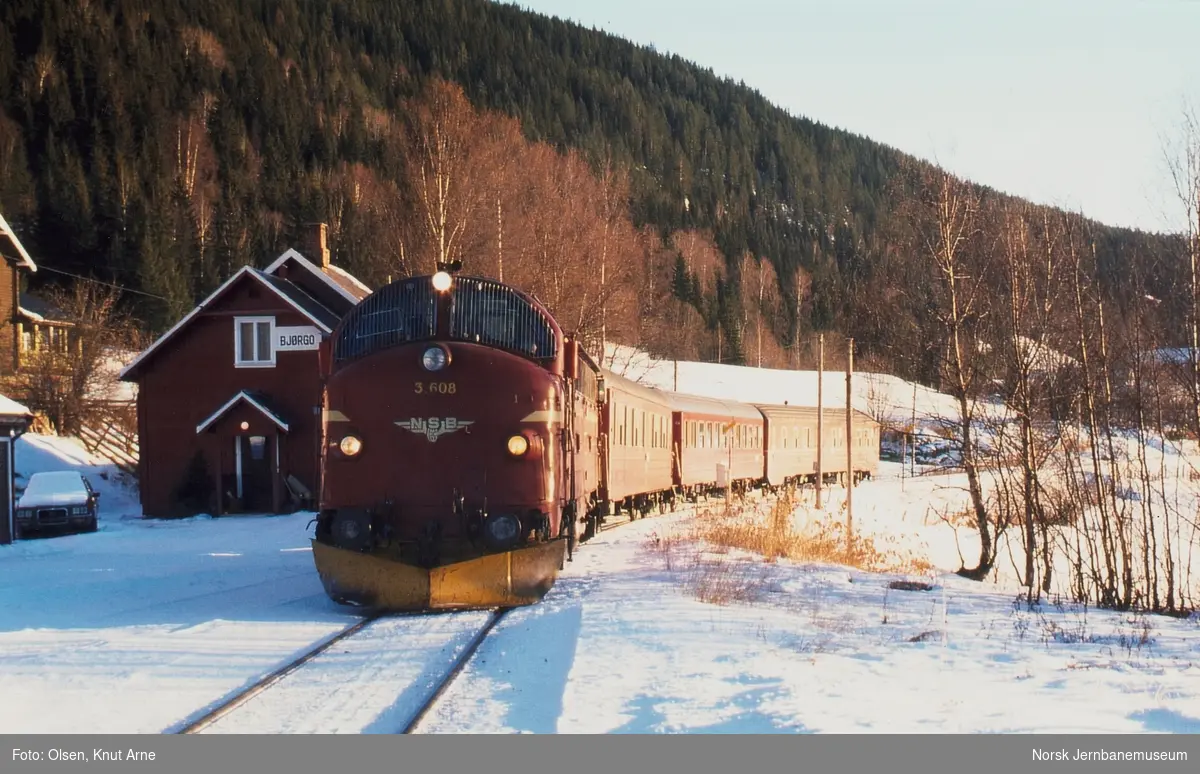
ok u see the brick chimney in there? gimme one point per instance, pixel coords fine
(314, 243)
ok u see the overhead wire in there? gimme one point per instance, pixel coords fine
(122, 288)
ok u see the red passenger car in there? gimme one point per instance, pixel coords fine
(718, 443)
(791, 444)
(636, 450)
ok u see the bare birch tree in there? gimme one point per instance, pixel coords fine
(1184, 165)
(944, 220)
(451, 154)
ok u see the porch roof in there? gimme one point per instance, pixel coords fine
(258, 401)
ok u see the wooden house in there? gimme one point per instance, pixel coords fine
(41, 327)
(229, 399)
(16, 261)
(14, 418)
(14, 422)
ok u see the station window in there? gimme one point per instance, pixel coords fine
(252, 337)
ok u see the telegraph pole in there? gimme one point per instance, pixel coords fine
(849, 446)
(820, 412)
(8, 524)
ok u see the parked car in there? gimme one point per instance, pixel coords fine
(57, 500)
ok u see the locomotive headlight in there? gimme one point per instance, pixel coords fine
(434, 359)
(518, 445)
(441, 281)
(350, 445)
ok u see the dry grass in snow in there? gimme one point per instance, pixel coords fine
(709, 550)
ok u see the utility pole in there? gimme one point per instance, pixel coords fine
(849, 447)
(913, 470)
(8, 524)
(820, 413)
(728, 434)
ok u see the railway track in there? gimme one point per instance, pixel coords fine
(387, 676)
(463, 659)
(232, 703)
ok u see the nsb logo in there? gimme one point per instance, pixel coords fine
(434, 428)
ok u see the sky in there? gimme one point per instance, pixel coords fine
(1072, 103)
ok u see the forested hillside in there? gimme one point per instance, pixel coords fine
(161, 145)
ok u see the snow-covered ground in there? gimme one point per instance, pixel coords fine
(135, 626)
(621, 646)
(142, 625)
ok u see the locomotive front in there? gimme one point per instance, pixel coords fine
(443, 473)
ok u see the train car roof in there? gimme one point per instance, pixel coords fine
(694, 404)
(771, 410)
(628, 385)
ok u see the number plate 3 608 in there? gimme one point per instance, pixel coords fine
(435, 388)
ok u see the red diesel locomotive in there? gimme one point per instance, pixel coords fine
(449, 464)
(468, 442)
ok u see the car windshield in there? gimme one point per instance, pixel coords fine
(60, 483)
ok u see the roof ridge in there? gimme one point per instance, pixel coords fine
(357, 282)
(271, 278)
(250, 398)
(6, 229)
(293, 254)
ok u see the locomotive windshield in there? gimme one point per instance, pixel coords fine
(487, 312)
(481, 312)
(395, 314)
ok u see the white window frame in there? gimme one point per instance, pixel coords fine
(238, 361)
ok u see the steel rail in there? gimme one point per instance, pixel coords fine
(266, 681)
(459, 664)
